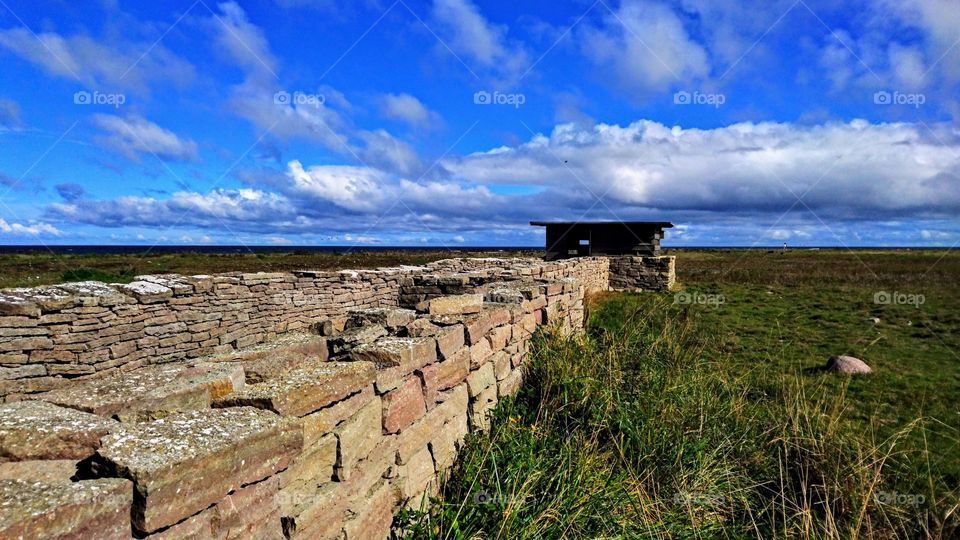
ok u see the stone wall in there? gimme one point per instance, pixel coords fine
(642, 273)
(320, 434)
(52, 335)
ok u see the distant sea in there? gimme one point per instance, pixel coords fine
(343, 249)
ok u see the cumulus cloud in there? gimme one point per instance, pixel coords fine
(134, 135)
(32, 229)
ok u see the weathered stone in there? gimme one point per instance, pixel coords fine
(410, 353)
(354, 337)
(403, 405)
(75, 510)
(847, 365)
(311, 469)
(22, 372)
(391, 318)
(511, 383)
(252, 511)
(417, 474)
(448, 441)
(145, 291)
(375, 521)
(319, 423)
(422, 328)
(481, 379)
(150, 392)
(421, 432)
(186, 462)
(478, 327)
(39, 430)
(450, 340)
(463, 303)
(479, 353)
(443, 375)
(357, 436)
(277, 357)
(305, 389)
(330, 327)
(501, 364)
(46, 471)
(480, 407)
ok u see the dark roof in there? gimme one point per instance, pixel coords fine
(662, 224)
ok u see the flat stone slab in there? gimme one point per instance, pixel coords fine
(305, 389)
(142, 393)
(39, 430)
(47, 471)
(388, 317)
(75, 510)
(455, 304)
(185, 462)
(276, 358)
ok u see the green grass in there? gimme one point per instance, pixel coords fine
(705, 421)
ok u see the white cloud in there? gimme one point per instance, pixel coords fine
(134, 135)
(470, 35)
(855, 170)
(409, 109)
(33, 229)
(242, 41)
(101, 65)
(351, 188)
(646, 46)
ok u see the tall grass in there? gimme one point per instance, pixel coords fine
(633, 430)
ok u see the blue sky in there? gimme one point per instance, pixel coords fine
(453, 122)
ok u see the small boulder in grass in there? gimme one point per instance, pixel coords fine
(848, 365)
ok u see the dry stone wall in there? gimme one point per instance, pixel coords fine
(642, 273)
(313, 407)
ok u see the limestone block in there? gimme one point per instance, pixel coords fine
(501, 364)
(421, 328)
(374, 522)
(390, 318)
(357, 436)
(146, 392)
(481, 379)
(319, 423)
(455, 304)
(305, 389)
(145, 291)
(46, 471)
(421, 432)
(39, 430)
(443, 375)
(185, 462)
(403, 405)
(450, 339)
(354, 337)
(479, 353)
(448, 441)
(417, 475)
(511, 384)
(480, 407)
(76, 510)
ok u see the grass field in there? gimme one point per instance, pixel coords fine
(30, 269)
(698, 413)
(701, 412)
